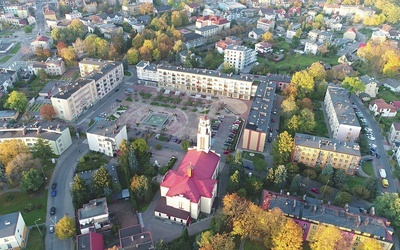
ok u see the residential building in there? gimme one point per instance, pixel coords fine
(79, 48)
(356, 223)
(55, 66)
(131, 9)
(342, 120)
(94, 216)
(325, 36)
(394, 133)
(311, 47)
(42, 41)
(239, 57)
(263, 48)
(380, 107)
(266, 24)
(90, 241)
(379, 35)
(343, 70)
(6, 115)
(313, 35)
(355, 9)
(13, 231)
(49, 14)
(58, 136)
(192, 188)
(192, 8)
(186, 54)
(133, 237)
(73, 15)
(109, 30)
(392, 84)
(193, 40)
(147, 73)
(255, 134)
(7, 79)
(315, 151)
(394, 34)
(220, 22)
(256, 34)
(221, 45)
(350, 34)
(106, 137)
(290, 33)
(371, 85)
(268, 13)
(207, 31)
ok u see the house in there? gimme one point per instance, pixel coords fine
(192, 8)
(267, 13)
(192, 188)
(379, 35)
(133, 237)
(379, 106)
(342, 71)
(207, 31)
(159, 10)
(42, 41)
(325, 36)
(106, 137)
(90, 241)
(346, 59)
(392, 84)
(313, 35)
(263, 48)
(6, 115)
(55, 66)
(221, 45)
(256, 34)
(396, 104)
(350, 34)
(7, 79)
(73, 15)
(394, 133)
(266, 24)
(356, 224)
(49, 14)
(13, 231)
(220, 22)
(290, 34)
(193, 40)
(94, 216)
(311, 47)
(394, 34)
(131, 9)
(371, 85)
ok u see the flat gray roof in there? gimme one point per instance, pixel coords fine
(68, 90)
(105, 128)
(93, 208)
(52, 87)
(327, 144)
(47, 131)
(7, 113)
(342, 105)
(8, 230)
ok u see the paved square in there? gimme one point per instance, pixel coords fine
(156, 120)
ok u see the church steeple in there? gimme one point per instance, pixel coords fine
(204, 134)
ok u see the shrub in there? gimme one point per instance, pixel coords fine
(9, 197)
(29, 207)
(163, 170)
(39, 206)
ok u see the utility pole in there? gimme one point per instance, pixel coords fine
(38, 226)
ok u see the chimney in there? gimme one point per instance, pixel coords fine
(38, 130)
(334, 146)
(372, 211)
(294, 205)
(7, 222)
(189, 171)
(314, 209)
(358, 221)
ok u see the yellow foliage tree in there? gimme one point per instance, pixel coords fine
(371, 244)
(288, 237)
(268, 37)
(208, 241)
(10, 148)
(326, 238)
(65, 228)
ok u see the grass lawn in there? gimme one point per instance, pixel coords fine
(388, 95)
(367, 168)
(129, 99)
(35, 240)
(354, 181)
(16, 48)
(127, 73)
(253, 245)
(306, 60)
(6, 33)
(320, 125)
(91, 161)
(36, 107)
(19, 201)
(246, 155)
(5, 59)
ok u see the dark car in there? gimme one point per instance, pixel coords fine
(272, 119)
(231, 136)
(175, 140)
(226, 152)
(116, 90)
(269, 139)
(52, 211)
(118, 100)
(368, 159)
(53, 193)
(377, 155)
(137, 133)
(54, 185)
(248, 167)
(315, 190)
(179, 141)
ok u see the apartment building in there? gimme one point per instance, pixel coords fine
(371, 85)
(73, 15)
(394, 133)
(42, 41)
(342, 120)
(315, 151)
(255, 134)
(239, 57)
(147, 73)
(105, 137)
(266, 24)
(357, 224)
(55, 66)
(220, 22)
(13, 231)
(58, 136)
(207, 31)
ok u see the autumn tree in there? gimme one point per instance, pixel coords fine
(267, 36)
(61, 45)
(133, 56)
(317, 72)
(141, 188)
(102, 182)
(282, 147)
(20, 163)
(11, 148)
(65, 228)
(47, 112)
(17, 101)
(80, 192)
(371, 244)
(304, 83)
(140, 145)
(353, 84)
(288, 237)
(277, 175)
(289, 107)
(208, 241)
(326, 238)
(69, 56)
(306, 120)
(32, 180)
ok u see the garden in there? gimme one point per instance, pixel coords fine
(91, 161)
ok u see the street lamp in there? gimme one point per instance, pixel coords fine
(38, 227)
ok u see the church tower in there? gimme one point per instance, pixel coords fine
(204, 134)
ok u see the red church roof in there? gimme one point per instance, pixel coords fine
(198, 182)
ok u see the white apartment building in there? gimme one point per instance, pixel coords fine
(13, 231)
(147, 73)
(239, 57)
(342, 120)
(73, 15)
(266, 24)
(55, 66)
(105, 137)
(311, 47)
(394, 133)
(58, 136)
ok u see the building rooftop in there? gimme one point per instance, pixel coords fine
(94, 208)
(4, 114)
(313, 210)
(237, 48)
(327, 144)
(209, 27)
(52, 87)
(133, 238)
(45, 130)
(66, 91)
(105, 128)
(367, 79)
(56, 60)
(90, 240)
(342, 105)
(261, 108)
(8, 224)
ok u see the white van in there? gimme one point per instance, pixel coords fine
(382, 173)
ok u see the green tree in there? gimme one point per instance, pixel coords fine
(141, 188)
(65, 228)
(101, 181)
(371, 184)
(342, 198)
(353, 84)
(42, 150)
(387, 206)
(28, 29)
(32, 180)
(234, 182)
(185, 145)
(306, 120)
(20, 163)
(80, 192)
(280, 175)
(133, 56)
(361, 191)
(17, 100)
(3, 176)
(327, 170)
(259, 164)
(304, 83)
(339, 177)
(295, 185)
(282, 147)
(215, 242)
(140, 145)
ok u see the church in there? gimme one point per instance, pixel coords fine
(191, 188)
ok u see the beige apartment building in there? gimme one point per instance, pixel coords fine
(100, 78)
(58, 135)
(318, 151)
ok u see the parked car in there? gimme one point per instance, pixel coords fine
(315, 190)
(51, 229)
(231, 136)
(179, 141)
(269, 139)
(175, 140)
(368, 159)
(118, 100)
(382, 173)
(54, 185)
(248, 167)
(274, 111)
(116, 90)
(226, 152)
(53, 193)
(385, 183)
(377, 155)
(272, 119)
(52, 211)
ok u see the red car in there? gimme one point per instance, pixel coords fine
(226, 152)
(315, 190)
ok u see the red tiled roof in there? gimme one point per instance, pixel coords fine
(222, 21)
(396, 104)
(42, 39)
(352, 30)
(200, 183)
(381, 104)
(194, 5)
(377, 101)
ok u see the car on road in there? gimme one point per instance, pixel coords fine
(272, 119)
(274, 112)
(118, 100)
(248, 167)
(179, 141)
(53, 193)
(51, 229)
(382, 173)
(52, 211)
(175, 140)
(377, 155)
(315, 190)
(116, 90)
(54, 185)
(137, 133)
(368, 159)
(385, 183)
(371, 138)
(226, 152)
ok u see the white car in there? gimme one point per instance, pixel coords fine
(371, 138)
(382, 173)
